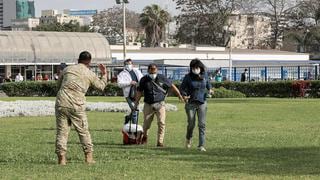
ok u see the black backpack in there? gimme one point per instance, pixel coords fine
(133, 88)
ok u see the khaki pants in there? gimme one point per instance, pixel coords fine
(149, 113)
(65, 117)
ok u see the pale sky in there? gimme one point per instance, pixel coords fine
(136, 5)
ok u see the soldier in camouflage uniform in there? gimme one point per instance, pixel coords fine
(70, 105)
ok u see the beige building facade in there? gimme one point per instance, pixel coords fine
(52, 16)
(251, 31)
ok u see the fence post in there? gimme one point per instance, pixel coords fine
(265, 74)
(249, 69)
(298, 72)
(234, 73)
(281, 72)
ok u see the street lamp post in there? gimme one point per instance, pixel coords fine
(230, 33)
(304, 41)
(230, 60)
(124, 2)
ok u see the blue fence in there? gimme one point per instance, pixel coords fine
(264, 73)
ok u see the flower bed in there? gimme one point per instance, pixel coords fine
(46, 108)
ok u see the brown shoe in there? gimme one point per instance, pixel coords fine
(89, 158)
(62, 160)
(144, 139)
(160, 145)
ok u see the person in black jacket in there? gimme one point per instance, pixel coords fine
(154, 87)
(195, 88)
(244, 75)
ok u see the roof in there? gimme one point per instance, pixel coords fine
(193, 51)
(40, 47)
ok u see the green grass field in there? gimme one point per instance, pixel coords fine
(246, 139)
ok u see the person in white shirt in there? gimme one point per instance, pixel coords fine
(128, 80)
(19, 78)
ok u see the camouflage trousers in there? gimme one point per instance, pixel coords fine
(65, 117)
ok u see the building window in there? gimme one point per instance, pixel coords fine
(250, 20)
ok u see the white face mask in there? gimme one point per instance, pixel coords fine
(153, 76)
(196, 71)
(128, 67)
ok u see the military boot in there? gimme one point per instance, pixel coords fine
(89, 158)
(62, 160)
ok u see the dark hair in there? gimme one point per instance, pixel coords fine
(194, 64)
(197, 63)
(84, 57)
(152, 65)
(62, 66)
(126, 61)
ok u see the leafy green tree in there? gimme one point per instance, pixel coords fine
(154, 20)
(302, 39)
(310, 9)
(304, 31)
(110, 23)
(202, 22)
(72, 26)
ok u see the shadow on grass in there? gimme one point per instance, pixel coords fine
(104, 130)
(273, 161)
(107, 144)
(44, 129)
(286, 161)
(72, 129)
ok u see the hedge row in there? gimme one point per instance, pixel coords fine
(222, 92)
(49, 88)
(251, 89)
(280, 89)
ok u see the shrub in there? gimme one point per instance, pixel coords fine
(225, 93)
(280, 89)
(30, 88)
(112, 89)
(49, 88)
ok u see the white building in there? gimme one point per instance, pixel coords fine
(49, 12)
(86, 15)
(213, 56)
(51, 16)
(25, 24)
(263, 65)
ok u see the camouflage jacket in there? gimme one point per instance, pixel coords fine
(73, 85)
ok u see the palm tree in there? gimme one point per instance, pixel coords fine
(153, 20)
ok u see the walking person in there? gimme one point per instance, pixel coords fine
(194, 89)
(128, 80)
(70, 105)
(18, 78)
(154, 86)
(244, 75)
